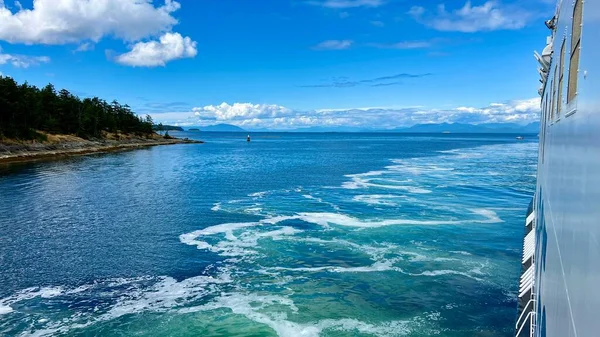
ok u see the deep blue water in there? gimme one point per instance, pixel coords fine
(288, 235)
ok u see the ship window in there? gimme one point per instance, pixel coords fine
(561, 75)
(552, 96)
(555, 98)
(546, 105)
(575, 45)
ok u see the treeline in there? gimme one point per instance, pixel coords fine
(25, 109)
(161, 127)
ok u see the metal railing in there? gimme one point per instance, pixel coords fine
(526, 312)
(525, 325)
(530, 318)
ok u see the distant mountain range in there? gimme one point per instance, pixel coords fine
(418, 128)
(220, 128)
(471, 128)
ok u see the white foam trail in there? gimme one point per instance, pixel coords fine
(248, 305)
(258, 194)
(491, 216)
(377, 199)
(5, 309)
(253, 210)
(280, 232)
(445, 272)
(165, 294)
(320, 200)
(190, 238)
(384, 265)
(367, 174)
(30, 293)
(234, 245)
(324, 219)
(358, 182)
(253, 307)
(460, 252)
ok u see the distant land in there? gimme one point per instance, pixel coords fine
(167, 128)
(471, 128)
(418, 128)
(218, 128)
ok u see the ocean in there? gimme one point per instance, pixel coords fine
(288, 235)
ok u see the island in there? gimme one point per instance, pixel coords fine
(43, 123)
(221, 128)
(160, 127)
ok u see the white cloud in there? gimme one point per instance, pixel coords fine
(240, 111)
(263, 116)
(340, 4)
(85, 22)
(487, 17)
(22, 61)
(333, 45)
(86, 46)
(171, 46)
(404, 45)
(73, 21)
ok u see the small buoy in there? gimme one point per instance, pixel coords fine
(248, 138)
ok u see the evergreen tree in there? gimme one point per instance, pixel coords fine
(26, 109)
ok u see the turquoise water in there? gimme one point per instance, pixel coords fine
(289, 235)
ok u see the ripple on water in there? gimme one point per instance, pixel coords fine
(317, 261)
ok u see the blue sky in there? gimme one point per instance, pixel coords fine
(283, 64)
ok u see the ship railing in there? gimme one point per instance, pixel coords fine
(527, 281)
(527, 311)
(528, 323)
(525, 325)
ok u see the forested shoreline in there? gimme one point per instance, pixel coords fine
(25, 109)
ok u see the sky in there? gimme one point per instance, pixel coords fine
(285, 64)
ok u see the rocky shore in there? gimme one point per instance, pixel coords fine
(68, 145)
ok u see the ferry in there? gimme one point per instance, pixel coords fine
(559, 289)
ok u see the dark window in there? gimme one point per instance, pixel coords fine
(561, 75)
(575, 45)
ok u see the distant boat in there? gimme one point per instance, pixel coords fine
(248, 138)
(445, 131)
(520, 138)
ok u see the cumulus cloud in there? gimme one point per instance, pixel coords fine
(240, 111)
(487, 17)
(333, 45)
(170, 46)
(341, 4)
(276, 117)
(72, 21)
(22, 61)
(146, 27)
